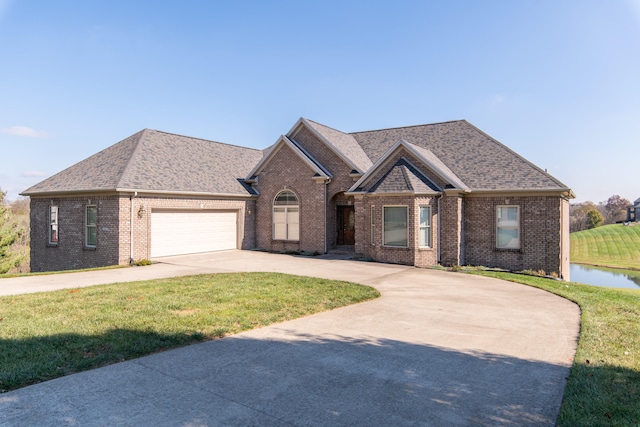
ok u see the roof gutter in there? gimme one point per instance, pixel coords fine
(134, 190)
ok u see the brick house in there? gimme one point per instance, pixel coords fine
(633, 212)
(439, 193)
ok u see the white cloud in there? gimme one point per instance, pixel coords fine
(31, 174)
(24, 131)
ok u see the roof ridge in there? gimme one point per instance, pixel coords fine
(203, 139)
(407, 127)
(141, 135)
(328, 127)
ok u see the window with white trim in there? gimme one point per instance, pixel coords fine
(372, 225)
(508, 227)
(53, 225)
(91, 226)
(394, 226)
(286, 216)
(424, 227)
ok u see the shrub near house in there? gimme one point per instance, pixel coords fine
(420, 195)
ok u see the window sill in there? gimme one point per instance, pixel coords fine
(89, 248)
(395, 247)
(52, 245)
(508, 250)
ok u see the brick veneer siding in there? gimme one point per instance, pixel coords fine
(142, 222)
(340, 182)
(287, 171)
(451, 230)
(71, 252)
(413, 254)
(541, 224)
(113, 232)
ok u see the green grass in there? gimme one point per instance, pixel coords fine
(603, 388)
(614, 245)
(48, 335)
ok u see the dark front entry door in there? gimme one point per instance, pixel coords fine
(346, 225)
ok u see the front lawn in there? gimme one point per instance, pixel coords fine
(48, 335)
(603, 388)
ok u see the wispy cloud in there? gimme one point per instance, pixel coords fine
(24, 131)
(31, 174)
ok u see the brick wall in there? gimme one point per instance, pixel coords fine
(113, 228)
(541, 222)
(142, 220)
(451, 230)
(287, 171)
(340, 182)
(70, 252)
(366, 206)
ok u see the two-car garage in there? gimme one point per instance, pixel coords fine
(178, 232)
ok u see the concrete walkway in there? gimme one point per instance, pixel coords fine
(436, 349)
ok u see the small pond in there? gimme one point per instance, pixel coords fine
(609, 277)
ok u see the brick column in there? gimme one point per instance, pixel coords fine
(451, 230)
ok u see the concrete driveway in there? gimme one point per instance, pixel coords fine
(436, 349)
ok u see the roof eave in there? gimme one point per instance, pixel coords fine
(136, 191)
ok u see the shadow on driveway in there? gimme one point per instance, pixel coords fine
(300, 380)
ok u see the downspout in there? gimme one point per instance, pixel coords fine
(438, 231)
(326, 211)
(131, 227)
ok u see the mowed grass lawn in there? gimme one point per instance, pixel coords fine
(612, 245)
(603, 388)
(48, 335)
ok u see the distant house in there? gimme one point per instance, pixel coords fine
(443, 193)
(633, 212)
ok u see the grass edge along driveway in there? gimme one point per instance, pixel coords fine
(52, 334)
(603, 388)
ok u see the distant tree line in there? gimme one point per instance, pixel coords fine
(14, 235)
(586, 215)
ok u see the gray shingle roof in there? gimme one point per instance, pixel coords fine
(152, 160)
(344, 144)
(403, 177)
(480, 161)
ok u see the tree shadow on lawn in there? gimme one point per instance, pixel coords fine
(296, 379)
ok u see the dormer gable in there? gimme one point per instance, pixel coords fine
(408, 168)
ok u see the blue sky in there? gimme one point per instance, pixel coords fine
(556, 81)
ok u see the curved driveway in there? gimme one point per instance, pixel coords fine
(437, 349)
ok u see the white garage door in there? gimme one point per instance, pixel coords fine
(189, 232)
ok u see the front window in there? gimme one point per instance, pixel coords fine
(395, 231)
(53, 225)
(424, 229)
(286, 216)
(91, 231)
(508, 227)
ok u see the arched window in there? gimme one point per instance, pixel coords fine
(286, 216)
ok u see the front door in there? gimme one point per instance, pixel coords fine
(346, 225)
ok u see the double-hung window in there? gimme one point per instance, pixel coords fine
(424, 228)
(53, 225)
(286, 216)
(508, 227)
(394, 222)
(91, 226)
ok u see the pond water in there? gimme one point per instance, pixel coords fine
(609, 277)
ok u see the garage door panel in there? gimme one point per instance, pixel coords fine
(176, 233)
